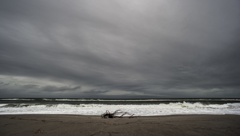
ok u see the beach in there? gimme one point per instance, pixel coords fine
(76, 125)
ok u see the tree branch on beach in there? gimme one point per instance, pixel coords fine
(116, 114)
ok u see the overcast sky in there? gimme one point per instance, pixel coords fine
(120, 48)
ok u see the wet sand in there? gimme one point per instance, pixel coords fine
(73, 125)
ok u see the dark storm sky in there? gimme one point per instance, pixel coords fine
(120, 48)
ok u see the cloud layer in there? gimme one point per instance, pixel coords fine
(118, 48)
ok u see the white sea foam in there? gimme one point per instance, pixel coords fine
(17, 99)
(138, 110)
(1, 105)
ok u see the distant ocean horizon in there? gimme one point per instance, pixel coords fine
(139, 107)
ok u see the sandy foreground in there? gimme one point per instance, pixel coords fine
(73, 125)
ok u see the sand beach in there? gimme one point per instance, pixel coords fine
(75, 125)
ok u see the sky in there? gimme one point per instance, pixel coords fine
(120, 49)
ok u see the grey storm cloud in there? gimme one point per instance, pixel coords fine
(54, 88)
(96, 91)
(120, 48)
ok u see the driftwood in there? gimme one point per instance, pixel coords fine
(116, 114)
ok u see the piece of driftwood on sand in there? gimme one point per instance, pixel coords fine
(116, 114)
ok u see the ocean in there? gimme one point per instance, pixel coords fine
(139, 107)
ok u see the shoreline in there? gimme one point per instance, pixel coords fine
(126, 116)
(56, 124)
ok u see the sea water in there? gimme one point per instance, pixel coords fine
(142, 107)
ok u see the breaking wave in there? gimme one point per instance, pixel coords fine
(172, 108)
